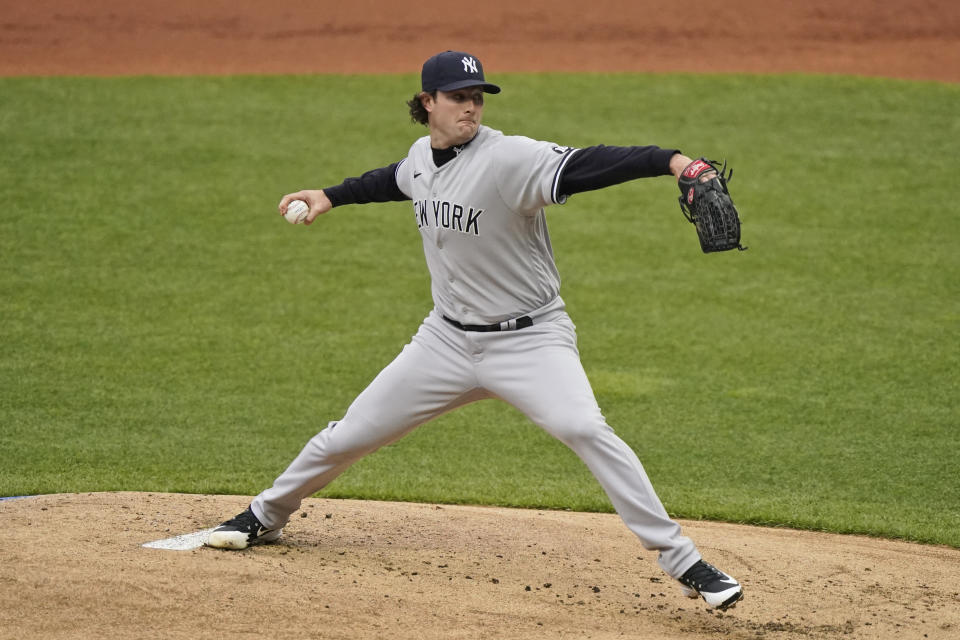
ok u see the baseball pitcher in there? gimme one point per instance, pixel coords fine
(498, 327)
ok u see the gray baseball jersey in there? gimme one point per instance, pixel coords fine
(483, 226)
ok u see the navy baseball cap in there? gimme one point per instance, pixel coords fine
(453, 70)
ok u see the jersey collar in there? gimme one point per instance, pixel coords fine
(443, 156)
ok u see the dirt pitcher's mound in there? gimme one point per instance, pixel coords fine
(74, 568)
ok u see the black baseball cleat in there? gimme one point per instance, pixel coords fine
(241, 532)
(717, 589)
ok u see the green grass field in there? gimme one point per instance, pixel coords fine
(164, 330)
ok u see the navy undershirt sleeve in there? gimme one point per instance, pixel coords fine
(602, 166)
(588, 169)
(378, 185)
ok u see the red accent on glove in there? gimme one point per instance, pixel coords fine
(696, 168)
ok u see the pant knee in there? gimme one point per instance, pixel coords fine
(344, 441)
(575, 430)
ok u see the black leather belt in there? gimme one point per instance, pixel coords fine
(507, 325)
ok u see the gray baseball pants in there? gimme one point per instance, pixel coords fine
(536, 369)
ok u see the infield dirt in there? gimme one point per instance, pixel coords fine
(356, 569)
(73, 564)
(918, 39)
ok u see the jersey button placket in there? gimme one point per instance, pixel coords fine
(434, 190)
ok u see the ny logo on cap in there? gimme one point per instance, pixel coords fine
(469, 64)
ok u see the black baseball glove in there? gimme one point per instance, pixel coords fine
(705, 202)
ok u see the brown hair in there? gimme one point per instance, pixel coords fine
(419, 113)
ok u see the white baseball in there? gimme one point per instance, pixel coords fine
(297, 212)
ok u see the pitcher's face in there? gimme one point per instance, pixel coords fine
(454, 115)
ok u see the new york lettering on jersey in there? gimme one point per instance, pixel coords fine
(447, 215)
